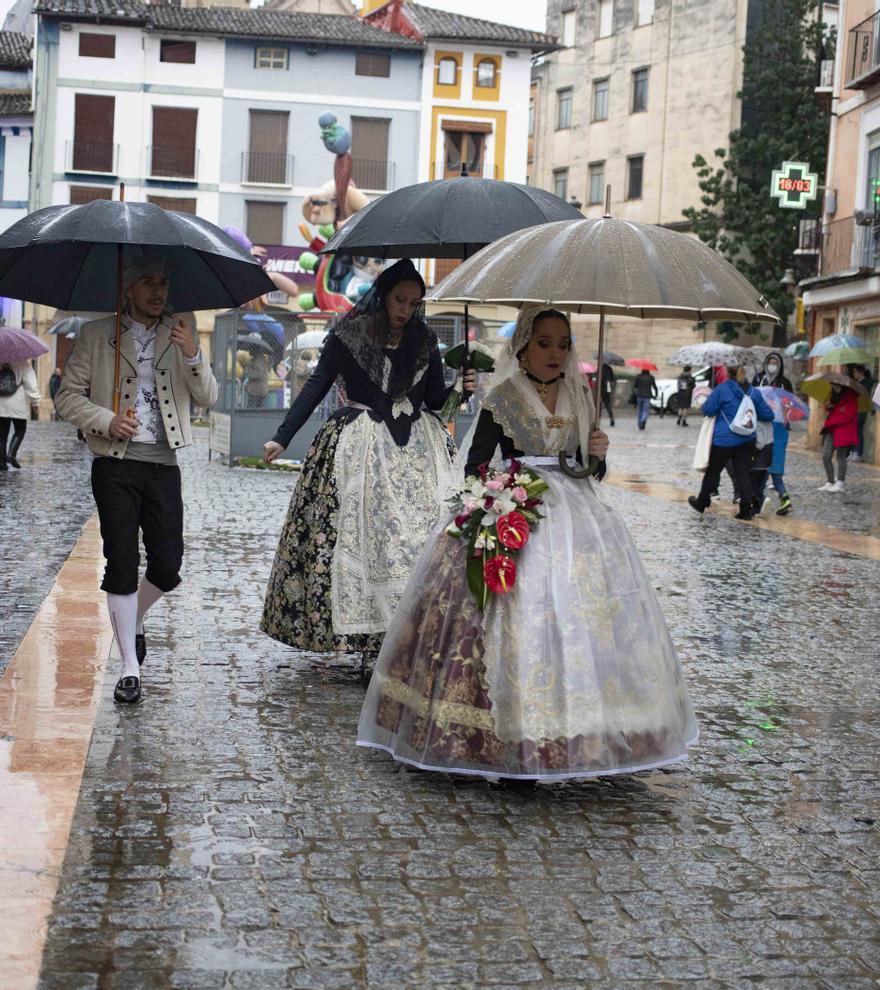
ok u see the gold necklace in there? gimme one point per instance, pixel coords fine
(542, 388)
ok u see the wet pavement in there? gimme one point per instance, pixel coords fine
(228, 832)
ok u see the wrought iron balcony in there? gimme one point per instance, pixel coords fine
(375, 175)
(172, 161)
(96, 158)
(863, 54)
(451, 170)
(264, 168)
(848, 246)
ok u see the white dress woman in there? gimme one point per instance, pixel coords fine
(572, 673)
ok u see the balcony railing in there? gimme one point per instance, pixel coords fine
(848, 246)
(809, 237)
(451, 170)
(372, 174)
(265, 168)
(172, 161)
(96, 158)
(863, 53)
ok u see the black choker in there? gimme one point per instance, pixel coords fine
(541, 387)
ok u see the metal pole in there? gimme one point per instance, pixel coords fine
(600, 370)
(117, 384)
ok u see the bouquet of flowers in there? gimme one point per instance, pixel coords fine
(476, 357)
(495, 513)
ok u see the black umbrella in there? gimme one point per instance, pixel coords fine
(611, 357)
(67, 256)
(448, 218)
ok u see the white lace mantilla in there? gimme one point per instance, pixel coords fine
(389, 500)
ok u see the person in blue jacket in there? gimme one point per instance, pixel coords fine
(728, 446)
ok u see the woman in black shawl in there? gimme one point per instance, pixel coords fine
(374, 480)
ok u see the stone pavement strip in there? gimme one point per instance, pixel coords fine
(228, 832)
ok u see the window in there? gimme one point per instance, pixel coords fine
(635, 168)
(560, 182)
(569, 27)
(563, 109)
(532, 117)
(177, 51)
(265, 222)
(372, 64)
(173, 152)
(80, 195)
(93, 148)
(600, 99)
(271, 58)
(266, 157)
(597, 183)
(606, 18)
(97, 45)
(177, 204)
(645, 13)
(369, 152)
(447, 72)
(640, 91)
(466, 145)
(486, 73)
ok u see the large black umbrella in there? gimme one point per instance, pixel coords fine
(67, 256)
(72, 257)
(449, 218)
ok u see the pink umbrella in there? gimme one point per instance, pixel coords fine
(18, 346)
(642, 363)
(585, 368)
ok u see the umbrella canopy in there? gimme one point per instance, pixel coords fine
(834, 342)
(844, 355)
(642, 364)
(70, 326)
(798, 350)
(610, 357)
(585, 368)
(311, 338)
(712, 352)
(787, 408)
(66, 256)
(254, 342)
(506, 329)
(818, 387)
(610, 267)
(18, 346)
(449, 218)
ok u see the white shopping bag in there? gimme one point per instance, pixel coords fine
(704, 443)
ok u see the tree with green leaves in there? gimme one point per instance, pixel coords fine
(782, 120)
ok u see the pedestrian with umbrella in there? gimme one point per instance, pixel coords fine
(529, 644)
(840, 431)
(130, 378)
(374, 482)
(684, 396)
(19, 391)
(645, 389)
(861, 373)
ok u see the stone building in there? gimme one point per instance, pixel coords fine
(845, 296)
(639, 88)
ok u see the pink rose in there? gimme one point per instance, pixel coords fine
(495, 485)
(519, 494)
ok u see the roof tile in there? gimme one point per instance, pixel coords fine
(433, 23)
(15, 50)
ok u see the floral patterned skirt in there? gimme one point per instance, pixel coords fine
(343, 559)
(570, 674)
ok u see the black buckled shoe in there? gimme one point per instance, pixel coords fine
(695, 503)
(127, 690)
(140, 647)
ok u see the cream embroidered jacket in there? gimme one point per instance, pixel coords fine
(86, 394)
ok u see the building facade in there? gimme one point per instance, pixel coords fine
(639, 88)
(845, 296)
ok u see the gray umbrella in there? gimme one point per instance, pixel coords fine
(608, 266)
(712, 352)
(611, 357)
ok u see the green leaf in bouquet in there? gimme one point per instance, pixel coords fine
(477, 359)
(451, 406)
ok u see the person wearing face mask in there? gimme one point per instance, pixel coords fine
(733, 439)
(375, 478)
(840, 433)
(135, 478)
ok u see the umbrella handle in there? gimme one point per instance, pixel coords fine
(592, 467)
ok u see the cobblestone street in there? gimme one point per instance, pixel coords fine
(229, 834)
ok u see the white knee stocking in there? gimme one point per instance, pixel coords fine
(123, 616)
(147, 596)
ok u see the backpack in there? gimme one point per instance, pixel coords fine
(8, 382)
(745, 422)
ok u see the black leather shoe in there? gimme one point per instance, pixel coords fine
(694, 503)
(744, 515)
(140, 647)
(127, 690)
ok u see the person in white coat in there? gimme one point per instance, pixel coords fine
(18, 392)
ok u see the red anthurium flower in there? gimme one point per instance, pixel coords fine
(499, 574)
(513, 530)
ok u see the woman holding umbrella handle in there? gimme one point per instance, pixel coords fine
(374, 481)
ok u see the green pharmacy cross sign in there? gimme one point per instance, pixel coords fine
(794, 184)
